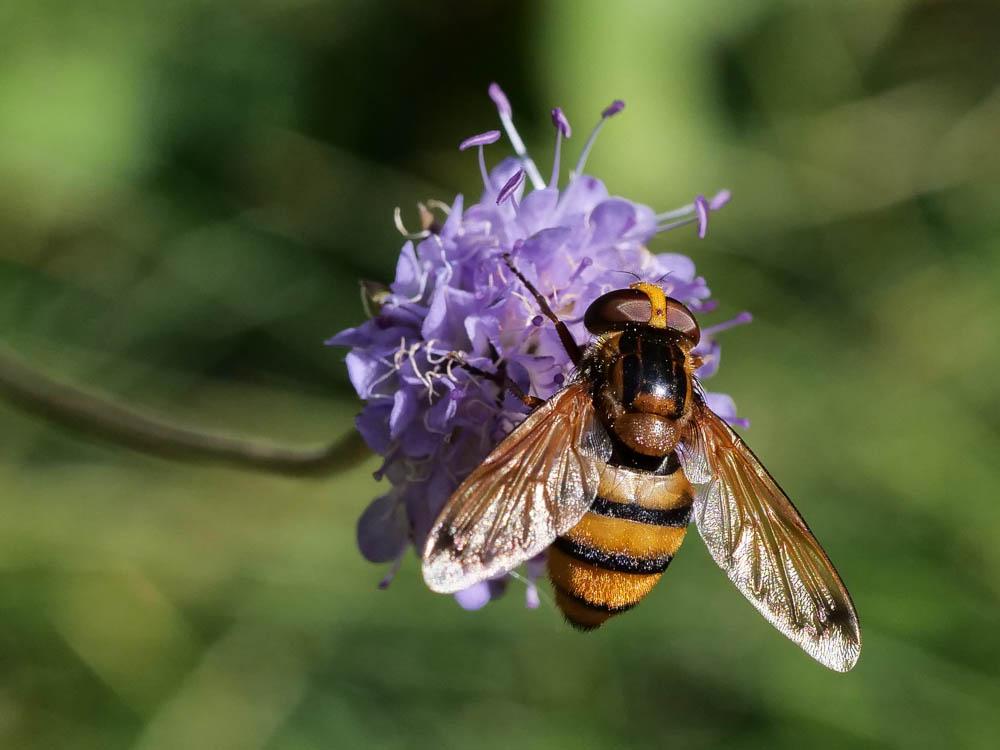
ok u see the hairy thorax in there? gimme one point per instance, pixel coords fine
(642, 387)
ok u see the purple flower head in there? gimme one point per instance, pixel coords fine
(455, 322)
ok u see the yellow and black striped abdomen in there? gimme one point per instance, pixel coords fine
(617, 552)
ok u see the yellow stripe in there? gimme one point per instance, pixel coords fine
(605, 588)
(621, 485)
(641, 540)
(657, 301)
(580, 614)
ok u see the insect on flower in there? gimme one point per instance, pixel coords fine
(607, 473)
(460, 342)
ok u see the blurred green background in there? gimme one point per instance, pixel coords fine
(189, 192)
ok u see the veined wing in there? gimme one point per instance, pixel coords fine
(758, 538)
(535, 485)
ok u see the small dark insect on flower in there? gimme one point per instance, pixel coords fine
(455, 324)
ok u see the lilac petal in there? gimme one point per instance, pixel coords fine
(710, 351)
(445, 321)
(500, 99)
(441, 414)
(510, 186)
(543, 245)
(580, 196)
(613, 109)
(454, 220)
(383, 530)
(675, 266)
(561, 123)
(645, 223)
(611, 219)
(478, 595)
(363, 370)
(535, 211)
(701, 209)
(724, 406)
(424, 501)
(720, 199)
(481, 330)
(417, 441)
(372, 424)
(411, 274)
(349, 337)
(475, 597)
(404, 409)
(483, 139)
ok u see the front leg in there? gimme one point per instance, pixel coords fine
(568, 342)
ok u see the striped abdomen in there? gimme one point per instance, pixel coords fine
(617, 552)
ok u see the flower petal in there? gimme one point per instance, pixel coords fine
(383, 529)
(610, 220)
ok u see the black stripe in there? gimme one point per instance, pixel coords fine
(617, 562)
(591, 605)
(622, 455)
(677, 518)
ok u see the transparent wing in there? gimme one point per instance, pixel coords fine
(535, 485)
(758, 538)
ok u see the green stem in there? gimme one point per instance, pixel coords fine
(40, 394)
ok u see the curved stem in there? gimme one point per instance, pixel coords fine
(36, 392)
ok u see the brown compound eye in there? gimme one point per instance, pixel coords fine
(612, 311)
(681, 319)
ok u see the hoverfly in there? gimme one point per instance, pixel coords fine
(607, 474)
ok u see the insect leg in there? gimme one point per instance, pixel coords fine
(532, 402)
(568, 342)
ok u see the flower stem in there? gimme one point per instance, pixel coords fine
(36, 392)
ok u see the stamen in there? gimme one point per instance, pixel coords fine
(500, 99)
(504, 110)
(483, 139)
(428, 222)
(613, 109)
(701, 212)
(742, 319)
(510, 186)
(439, 205)
(561, 123)
(675, 224)
(562, 130)
(716, 202)
(720, 199)
(610, 111)
(581, 267)
(391, 574)
(397, 217)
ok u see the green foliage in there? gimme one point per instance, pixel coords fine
(190, 191)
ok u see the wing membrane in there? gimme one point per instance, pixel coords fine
(758, 538)
(535, 485)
